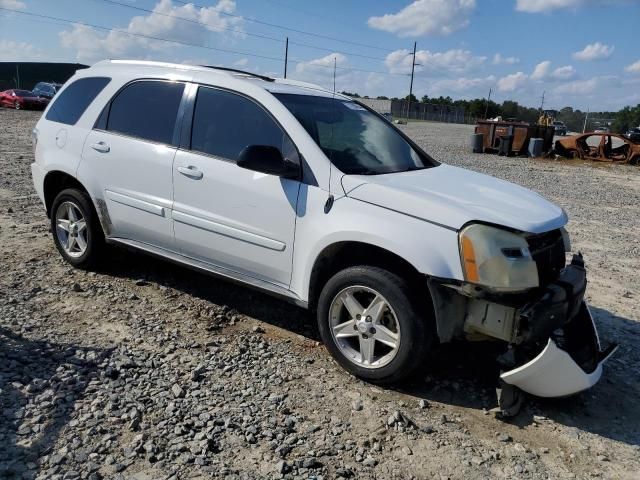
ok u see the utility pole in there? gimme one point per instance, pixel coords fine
(413, 66)
(486, 108)
(542, 103)
(286, 56)
(17, 76)
(334, 75)
(586, 117)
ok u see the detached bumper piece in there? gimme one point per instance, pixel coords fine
(560, 322)
(570, 362)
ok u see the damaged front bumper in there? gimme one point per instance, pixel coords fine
(570, 362)
(553, 348)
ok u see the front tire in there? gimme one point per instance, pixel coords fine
(76, 230)
(16, 105)
(574, 154)
(372, 326)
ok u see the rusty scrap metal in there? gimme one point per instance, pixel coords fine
(521, 132)
(599, 147)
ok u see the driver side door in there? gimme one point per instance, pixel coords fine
(223, 214)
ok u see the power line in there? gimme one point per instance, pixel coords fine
(150, 37)
(190, 20)
(338, 51)
(189, 44)
(238, 31)
(274, 25)
(311, 14)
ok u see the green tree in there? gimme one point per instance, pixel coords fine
(628, 117)
(510, 109)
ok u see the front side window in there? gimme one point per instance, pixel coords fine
(354, 139)
(147, 110)
(69, 106)
(224, 123)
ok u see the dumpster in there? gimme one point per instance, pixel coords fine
(521, 132)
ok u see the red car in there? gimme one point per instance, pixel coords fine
(19, 99)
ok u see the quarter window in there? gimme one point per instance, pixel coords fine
(225, 123)
(146, 110)
(69, 106)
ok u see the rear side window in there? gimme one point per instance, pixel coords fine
(225, 123)
(146, 110)
(69, 106)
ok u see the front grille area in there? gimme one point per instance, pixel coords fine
(547, 250)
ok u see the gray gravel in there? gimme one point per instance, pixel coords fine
(148, 371)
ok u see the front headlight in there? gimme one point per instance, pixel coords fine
(496, 258)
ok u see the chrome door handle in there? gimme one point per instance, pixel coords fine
(101, 147)
(191, 172)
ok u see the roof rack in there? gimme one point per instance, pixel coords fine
(235, 70)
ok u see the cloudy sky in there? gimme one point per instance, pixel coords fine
(583, 53)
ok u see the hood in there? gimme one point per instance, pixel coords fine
(452, 197)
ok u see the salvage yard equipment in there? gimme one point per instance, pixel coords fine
(522, 132)
(601, 147)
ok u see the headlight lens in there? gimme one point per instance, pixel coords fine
(496, 259)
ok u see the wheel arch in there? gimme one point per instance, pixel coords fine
(343, 254)
(54, 182)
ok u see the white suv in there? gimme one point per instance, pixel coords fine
(314, 197)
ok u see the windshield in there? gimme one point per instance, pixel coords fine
(355, 140)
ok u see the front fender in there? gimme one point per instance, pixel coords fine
(430, 249)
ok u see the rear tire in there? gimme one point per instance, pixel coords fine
(383, 336)
(76, 229)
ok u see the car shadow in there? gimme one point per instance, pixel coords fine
(610, 408)
(242, 299)
(47, 375)
(465, 375)
(459, 373)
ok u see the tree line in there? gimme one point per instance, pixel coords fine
(621, 120)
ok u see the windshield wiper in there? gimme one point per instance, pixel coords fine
(411, 169)
(364, 171)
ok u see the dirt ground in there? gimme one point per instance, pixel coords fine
(145, 370)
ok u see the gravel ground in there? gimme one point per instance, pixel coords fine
(144, 370)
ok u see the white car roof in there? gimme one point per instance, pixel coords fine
(142, 68)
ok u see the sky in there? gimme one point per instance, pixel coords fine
(579, 53)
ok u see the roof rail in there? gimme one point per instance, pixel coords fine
(311, 86)
(243, 72)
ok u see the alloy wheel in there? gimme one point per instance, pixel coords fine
(364, 326)
(71, 229)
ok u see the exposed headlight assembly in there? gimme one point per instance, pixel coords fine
(496, 259)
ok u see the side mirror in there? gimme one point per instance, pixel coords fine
(267, 159)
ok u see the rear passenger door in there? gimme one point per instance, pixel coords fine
(224, 214)
(130, 153)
